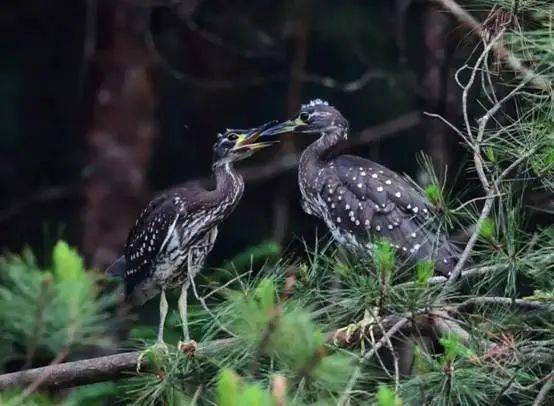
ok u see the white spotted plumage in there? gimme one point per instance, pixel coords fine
(385, 203)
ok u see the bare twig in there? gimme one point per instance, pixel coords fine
(475, 272)
(391, 349)
(501, 52)
(449, 124)
(543, 393)
(475, 143)
(503, 301)
(74, 373)
(387, 336)
(476, 199)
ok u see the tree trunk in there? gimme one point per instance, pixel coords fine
(435, 82)
(121, 131)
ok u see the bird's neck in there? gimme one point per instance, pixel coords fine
(229, 185)
(318, 152)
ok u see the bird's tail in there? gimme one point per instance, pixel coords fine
(117, 268)
(446, 257)
(417, 242)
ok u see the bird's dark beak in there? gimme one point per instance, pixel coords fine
(252, 139)
(292, 125)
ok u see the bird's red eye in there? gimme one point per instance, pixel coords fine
(232, 137)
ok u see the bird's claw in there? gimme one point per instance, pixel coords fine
(154, 353)
(359, 327)
(188, 347)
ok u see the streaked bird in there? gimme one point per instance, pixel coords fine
(173, 235)
(360, 200)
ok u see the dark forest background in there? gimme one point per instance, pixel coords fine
(104, 103)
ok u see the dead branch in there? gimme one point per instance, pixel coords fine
(475, 142)
(387, 336)
(500, 51)
(444, 325)
(74, 373)
(543, 393)
(503, 301)
(82, 372)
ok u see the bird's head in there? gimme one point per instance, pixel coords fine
(234, 145)
(317, 116)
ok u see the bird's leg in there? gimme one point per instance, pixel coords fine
(183, 310)
(187, 346)
(156, 351)
(163, 314)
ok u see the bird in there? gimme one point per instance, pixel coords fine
(359, 200)
(173, 235)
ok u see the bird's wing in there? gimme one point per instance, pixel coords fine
(149, 236)
(381, 185)
(362, 198)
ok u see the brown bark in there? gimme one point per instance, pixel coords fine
(435, 83)
(122, 129)
(299, 37)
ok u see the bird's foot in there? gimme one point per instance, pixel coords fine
(358, 328)
(153, 354)
(188, 347)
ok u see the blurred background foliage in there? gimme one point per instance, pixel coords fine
(105, 103)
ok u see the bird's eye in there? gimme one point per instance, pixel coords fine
(232, 137)
(304, 117)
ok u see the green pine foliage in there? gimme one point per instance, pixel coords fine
(387, 397)
(49, 311)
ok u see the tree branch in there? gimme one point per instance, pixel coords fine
(387, 336)
(543, 393)
(74, 373)
(504, 301)
(91, 370)
(500, 51)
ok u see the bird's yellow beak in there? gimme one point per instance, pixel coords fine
(249, 139)
(283, 127)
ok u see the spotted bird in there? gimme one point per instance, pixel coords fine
(360, 200)
(174, 234)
